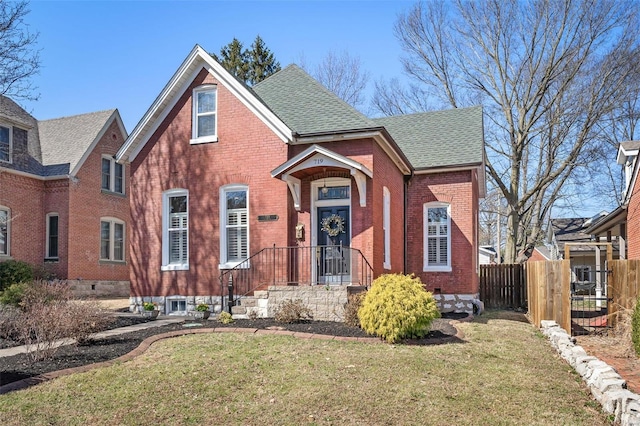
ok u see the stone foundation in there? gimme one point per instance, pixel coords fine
(97, 288)
(214, 302)
(469, 303)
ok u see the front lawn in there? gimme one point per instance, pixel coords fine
(504, 373)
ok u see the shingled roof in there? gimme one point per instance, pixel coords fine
(439, 138)
(306, 106)
(55, 147)
(66, 140)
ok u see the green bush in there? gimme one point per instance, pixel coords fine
(14, 272)
(397, 307)
(13, 294)
(635, 327)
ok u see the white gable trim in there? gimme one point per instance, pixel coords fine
(114, 116)
(178, 84)
(317, 156)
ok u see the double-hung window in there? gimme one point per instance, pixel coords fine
(204, 127)
(234, 229)
(437, 237)
(111, 240)
(386, 227)
(112, 175)
(5, 143)
(53, 221)
(175, 232)
(5, 218)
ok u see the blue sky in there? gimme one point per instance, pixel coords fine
(98, 55)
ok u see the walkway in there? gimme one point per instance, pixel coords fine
(628, 367)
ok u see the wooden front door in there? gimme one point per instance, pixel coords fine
(334, 238)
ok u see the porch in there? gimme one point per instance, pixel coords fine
(321, 276)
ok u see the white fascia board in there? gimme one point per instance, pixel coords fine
(317, 149)
(623, 154)
(197, 59)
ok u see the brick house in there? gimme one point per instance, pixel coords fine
(283, 185)
(63, 198)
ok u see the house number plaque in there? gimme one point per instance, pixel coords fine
(267, 217)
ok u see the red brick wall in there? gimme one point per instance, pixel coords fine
(536, 256)
(87, 204)
(24, 197)
(459, 189)
(56, 200)
(246, 152)
(633, 223)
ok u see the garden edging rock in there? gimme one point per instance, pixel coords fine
(604, 382)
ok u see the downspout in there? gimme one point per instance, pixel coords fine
(404, 220)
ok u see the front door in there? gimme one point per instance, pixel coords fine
(334, 260)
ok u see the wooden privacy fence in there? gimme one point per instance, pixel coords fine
(503, 286)
(549, 287)
(624, 285)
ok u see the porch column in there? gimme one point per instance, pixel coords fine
(598, 278)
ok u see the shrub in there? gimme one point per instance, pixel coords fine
(12, 295)
(202, 307)
(397, 307)
(293, 311)
(354, 302)
(225, 317)
(48, 313)
(14, 272)
(635, 327)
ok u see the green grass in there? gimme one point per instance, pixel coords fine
(504, 373)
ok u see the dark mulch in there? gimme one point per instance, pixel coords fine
(18, 367)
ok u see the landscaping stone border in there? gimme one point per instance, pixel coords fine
(606, 385)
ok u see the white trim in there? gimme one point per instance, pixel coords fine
(167, 305)
(31, 175)
(8, 242)
(112, 221)
(47, 236)
(425, 248)
(386, 227)
(166, 195)
(195, 139)
(224, 261)
(195, 61)
(10, 153)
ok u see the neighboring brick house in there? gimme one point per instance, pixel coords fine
(289, 172)
(63, 198)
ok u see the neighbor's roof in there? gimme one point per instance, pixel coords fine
(306, 106)
(66, 140)
(439, 138)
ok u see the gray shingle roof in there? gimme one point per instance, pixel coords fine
(306, 106)
(65, 140)
(439, 138)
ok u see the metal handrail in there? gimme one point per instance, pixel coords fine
(298, 266)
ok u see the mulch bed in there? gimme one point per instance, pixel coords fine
(18, 367)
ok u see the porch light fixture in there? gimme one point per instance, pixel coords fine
(324, 189)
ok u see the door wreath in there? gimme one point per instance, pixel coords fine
(332, 225)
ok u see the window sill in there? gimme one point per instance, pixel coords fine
(231, 265)
(386, 266)
(437, 269)
(206, 139)
(51, 260)
(111, 262)
(174, 267)
(109, 192)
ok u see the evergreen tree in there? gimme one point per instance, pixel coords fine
(262, 63)
(249, 66)
(234, 59)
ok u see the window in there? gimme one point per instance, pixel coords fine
(5, 143)
(111, 240)
(437, 237)
(175, 232)
(5, 216)
(204, 114)
(176, 306)
(52, 236)
(234, 217)
(582, 273)
(112, 175)
(386, 227)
